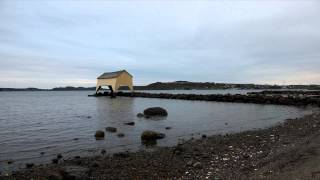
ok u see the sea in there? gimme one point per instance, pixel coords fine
(36, 126)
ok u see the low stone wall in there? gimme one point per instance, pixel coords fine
(238, 98)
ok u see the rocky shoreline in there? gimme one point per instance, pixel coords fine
(285, 151)
(256, 98)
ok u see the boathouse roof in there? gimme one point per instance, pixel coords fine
(110, 75)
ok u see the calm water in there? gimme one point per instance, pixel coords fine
(35, 122)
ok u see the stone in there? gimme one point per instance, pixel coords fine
(197, 165)
(55, 161)
(121, 154)
(190, 163)
(59, 156)
(111, 129)
(75, 172)
(140, 115)
(95, 165)
(155, 111)
(130, 123)
(120, 135)
(204, 136)
(29, 165)
(10, 161)
(103, 151)
(99, 135)
(151, 135)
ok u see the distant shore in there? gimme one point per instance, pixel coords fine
(178, 85)
(286, 151)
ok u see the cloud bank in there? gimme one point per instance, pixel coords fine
(59, 43)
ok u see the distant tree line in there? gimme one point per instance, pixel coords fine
(178, 85)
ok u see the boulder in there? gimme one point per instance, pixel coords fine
(151, 135)
(111, 129)
(155, 111)
(99, 135)
(140, 115)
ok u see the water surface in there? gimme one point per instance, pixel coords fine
(65, 122)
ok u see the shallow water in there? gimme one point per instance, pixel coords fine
(49, 122)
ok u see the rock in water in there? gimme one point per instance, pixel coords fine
(129, 123)
(111, 129)
(120, 135)
(155, 111)
(59, 156)
(99, 135)
(151, 135)
(140, 115)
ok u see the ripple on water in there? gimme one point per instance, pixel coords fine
(49, 122)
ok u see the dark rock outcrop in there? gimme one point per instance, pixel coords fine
(155, 111)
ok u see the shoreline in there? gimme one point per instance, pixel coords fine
(283, 151)
(289, 100)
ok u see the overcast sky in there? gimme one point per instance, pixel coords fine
(59, 43)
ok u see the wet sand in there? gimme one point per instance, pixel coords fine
(286, 151)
